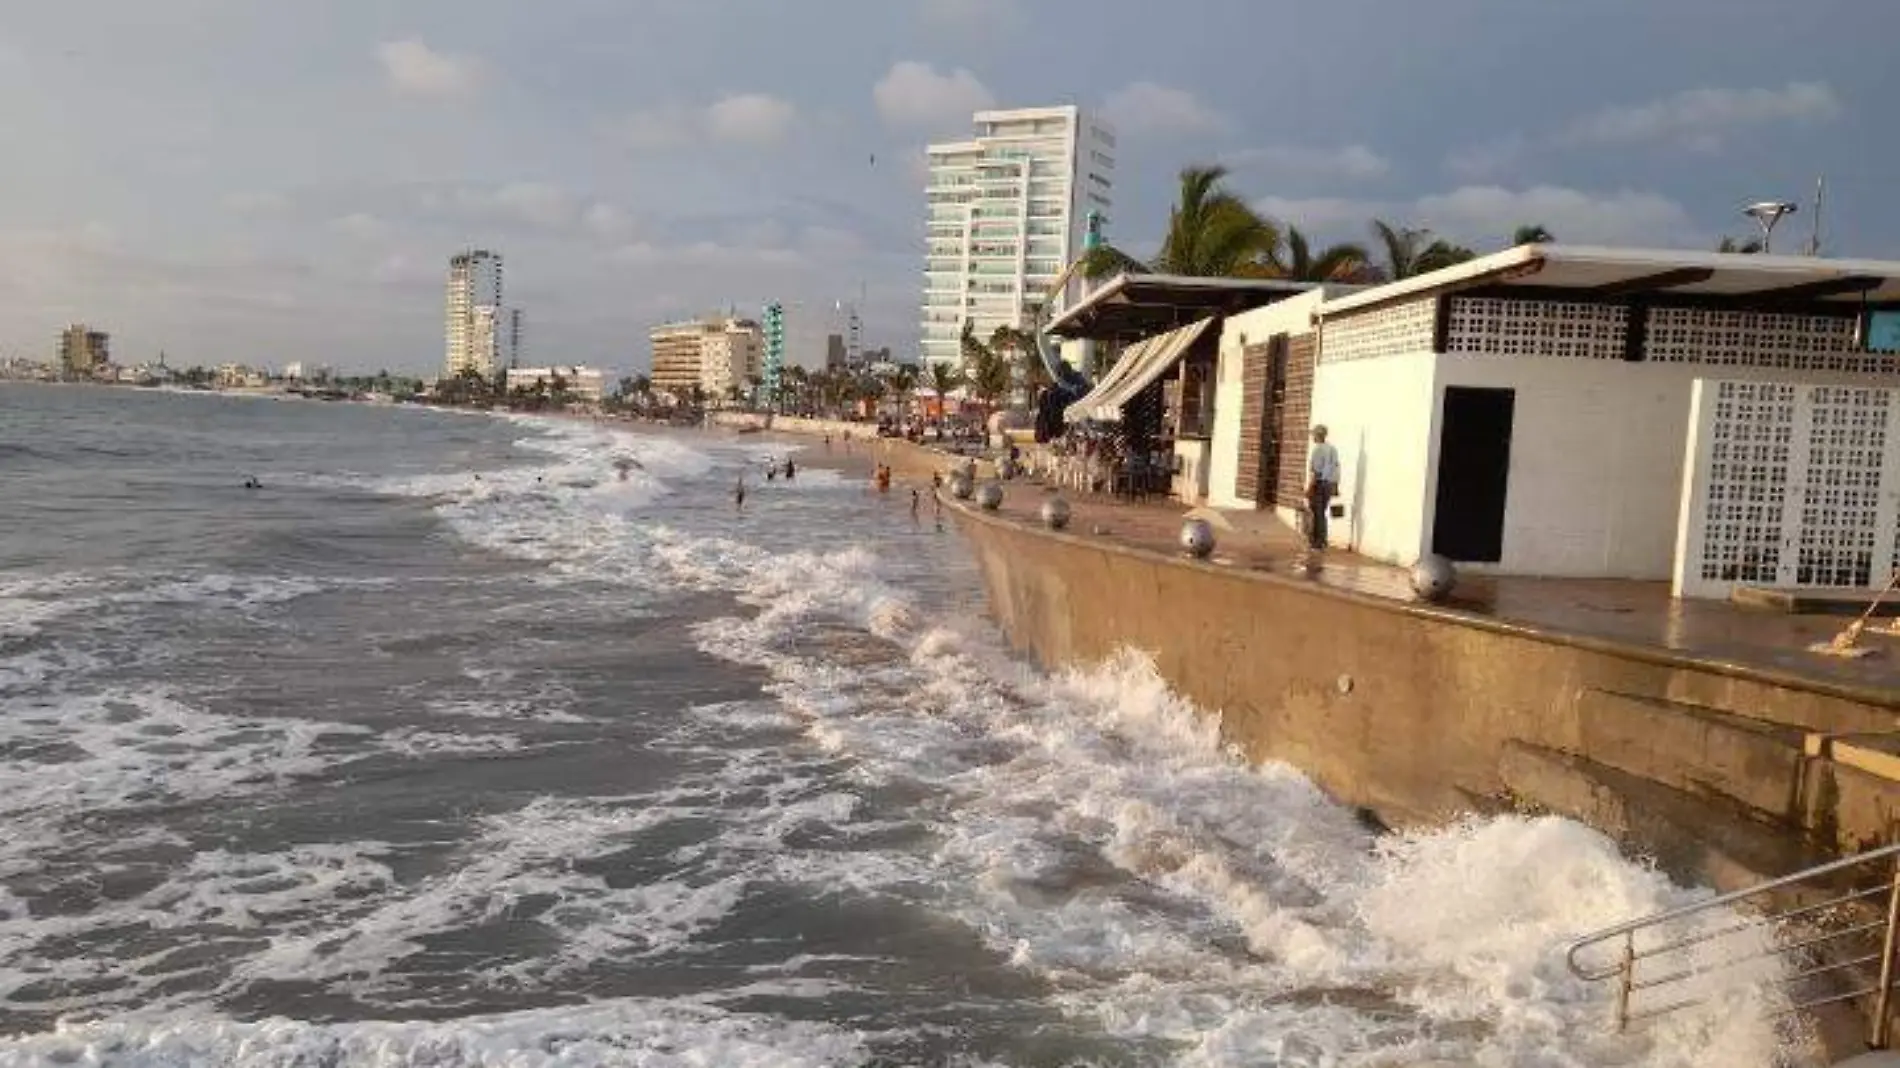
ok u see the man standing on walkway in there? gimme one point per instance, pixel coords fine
(1322, 486)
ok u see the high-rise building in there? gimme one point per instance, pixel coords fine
(710, 354)
(1007, 210)
(81, 349)
(731, 359)
(481, 334)
(834, 352)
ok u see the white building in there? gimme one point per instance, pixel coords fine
(1007, 210)
(481, 334)
(586, 383)
(1710, 419)
(293, 371)
(730, 357)
(711, 354)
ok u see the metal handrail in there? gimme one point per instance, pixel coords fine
(1624, 966)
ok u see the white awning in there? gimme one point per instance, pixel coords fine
(1146, 361)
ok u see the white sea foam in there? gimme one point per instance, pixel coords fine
(620, 1032)
(1172, 892)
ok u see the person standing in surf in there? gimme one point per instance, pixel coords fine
(738, 494)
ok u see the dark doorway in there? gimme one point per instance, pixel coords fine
(1474, 468)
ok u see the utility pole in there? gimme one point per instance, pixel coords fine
(1814, 240)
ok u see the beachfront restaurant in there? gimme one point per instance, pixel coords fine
(1158, 338)
(1708, 419)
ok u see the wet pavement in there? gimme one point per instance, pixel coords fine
(1641, 614)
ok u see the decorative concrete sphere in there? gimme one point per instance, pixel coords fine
(962, 486)
(1055, 513)
(1433, 577)
(989, 496)
(1197, 538)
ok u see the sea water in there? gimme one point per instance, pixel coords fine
(452, 746)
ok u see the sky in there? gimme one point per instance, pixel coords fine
(261, 182)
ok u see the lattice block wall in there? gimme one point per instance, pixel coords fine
(1494, 327)
(1760, 339)
(1400, 330)
(1790, 486)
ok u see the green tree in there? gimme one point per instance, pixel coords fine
(1294, 259)
(1747, 246)
(1532, 234)
(904, 383)
(1212, 233)
(1410, 252)
(942, 379)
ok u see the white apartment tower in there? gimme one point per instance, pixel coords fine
(1007, 212)
(481, 334)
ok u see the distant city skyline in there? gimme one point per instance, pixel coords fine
(316, 166)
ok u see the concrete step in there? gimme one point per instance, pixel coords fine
(1695, 838)
(1696, 749)
(1853, 788)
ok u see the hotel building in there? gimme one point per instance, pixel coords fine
(712, 354)
(81, 349)
(1007, 210)
(481, 334)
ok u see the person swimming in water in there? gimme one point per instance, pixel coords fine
(738, 495)
(251, 482)
(789, 469)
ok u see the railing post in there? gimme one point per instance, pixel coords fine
(1880, 1033)
(1625, 975)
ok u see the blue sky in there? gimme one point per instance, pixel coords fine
(263, 182)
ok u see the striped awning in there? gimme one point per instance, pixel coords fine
(1143, 362)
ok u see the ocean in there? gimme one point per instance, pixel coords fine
(449, 746)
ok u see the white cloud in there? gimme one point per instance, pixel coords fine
(655, 128)
(1148, 108)
(402, 270)
(1487, 160)
(988, 16)
(535, 203)
(360, 225)
(1702, 118)
(415, 68)
(751, 118)
(704, 254)
(914, 94)
(741, 118)
(1321, 214)
(256, 203)
(607, 220)
(1346, 161)
(1483, 213)
(1483, 216)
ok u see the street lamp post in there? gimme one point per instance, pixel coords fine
(1766, 214)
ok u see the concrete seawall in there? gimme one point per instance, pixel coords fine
(1421, 714)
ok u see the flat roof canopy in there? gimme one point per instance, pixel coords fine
(1142, 305)
(1622, 273)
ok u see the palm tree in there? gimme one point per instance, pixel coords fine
(1295, 261)
(942, 378)
(1532, 234)
(904, 383)
(989, 377)
(1747, 246)
(1411, 252)
(1212, 233)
